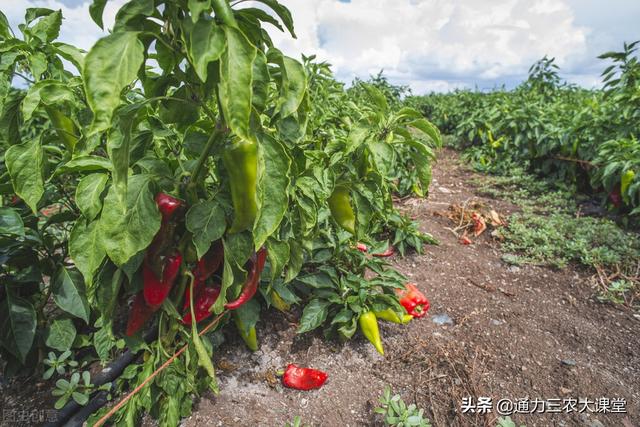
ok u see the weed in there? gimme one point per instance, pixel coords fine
(399, 414)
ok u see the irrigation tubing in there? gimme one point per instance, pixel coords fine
(67, 416)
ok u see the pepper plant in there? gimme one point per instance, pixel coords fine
(183, 166)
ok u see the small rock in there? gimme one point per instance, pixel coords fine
(444, 190)
(568, 362)
(523, 368)
(442, 319)
(565, 391)
(497, 322)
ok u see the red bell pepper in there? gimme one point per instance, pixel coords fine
(253, 279)
(205, 298)
(155, 290)
(167, 205)
(139, 314)
(413, 300)
(303, 378)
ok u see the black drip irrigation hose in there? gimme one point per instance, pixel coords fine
(74, 414)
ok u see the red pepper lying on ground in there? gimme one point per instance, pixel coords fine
(303, 378)
(155, 290)
(253, 279)
(413, 300)
(204, 299)
(389, 252)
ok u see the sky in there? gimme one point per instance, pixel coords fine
(430, 45)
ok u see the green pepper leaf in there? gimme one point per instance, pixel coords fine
(110, 66)
(86, 248)
(60, 334)
(236, 76)
(273, 189)
(313, 315)
(10, 222)
(128, 224)
(25, 165)
(17, 325)
(69, 293)
(88, 194)
(206, 221)
(207, 43)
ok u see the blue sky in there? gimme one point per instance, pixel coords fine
(428, 44)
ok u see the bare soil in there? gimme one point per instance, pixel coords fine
(515, 333)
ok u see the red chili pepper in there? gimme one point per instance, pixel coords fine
(464, 240)
(155, 290)
(207, 265)
(362, 247)
(139, 314)
(253, 279)
(616, 196)
(413, 300)
(167, 205)
(389, 252)
(303, 378)
(205, 298)
(210, 262)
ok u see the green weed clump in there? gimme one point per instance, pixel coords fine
(559, 239)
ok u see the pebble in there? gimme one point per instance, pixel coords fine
(568, 362)
(496, 322)
(442, 319)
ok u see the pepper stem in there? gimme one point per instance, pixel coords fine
(216, 136)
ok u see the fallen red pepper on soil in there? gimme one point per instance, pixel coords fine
(204, 299)
(155, 290)
(464, 240)
(253, 279)
(139, 314)
(479, 225)
(389, 252)
(413, 300)
(303, 378)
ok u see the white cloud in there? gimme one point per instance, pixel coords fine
(429, 44)
(427, 41)
(77, 27)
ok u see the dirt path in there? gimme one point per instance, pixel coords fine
(525, 332)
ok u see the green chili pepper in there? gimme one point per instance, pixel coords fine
(391, 316)
(340, 205)
(369, 326)
(625, 182)
(241, 161)
(224, 13)
(249, 336)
